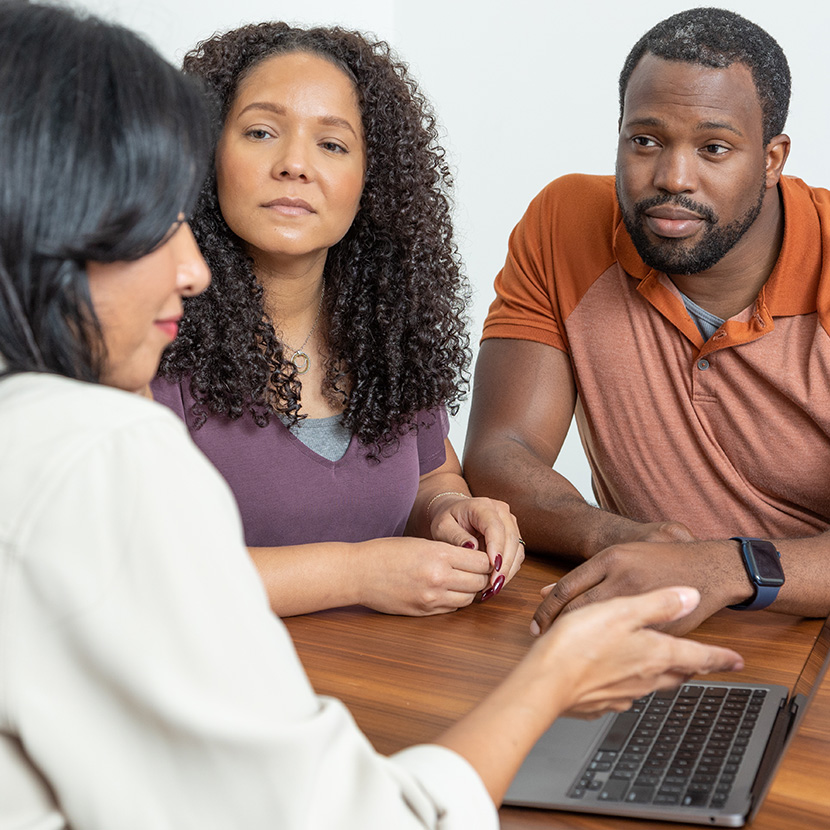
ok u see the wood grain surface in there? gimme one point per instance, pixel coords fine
(406, 679)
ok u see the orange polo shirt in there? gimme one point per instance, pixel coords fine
(731, 435)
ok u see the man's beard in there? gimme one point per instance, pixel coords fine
(670, 255)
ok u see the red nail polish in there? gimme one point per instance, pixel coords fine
(497, 562)
(493, 589)
(469, 545)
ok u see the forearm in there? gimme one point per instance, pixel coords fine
(497, 734)
(436, 490)
(300, 579)
(806, 564)
(553, 515)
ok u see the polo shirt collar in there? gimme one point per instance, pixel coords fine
(790, 290)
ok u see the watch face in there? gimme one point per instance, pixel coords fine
(764, 562)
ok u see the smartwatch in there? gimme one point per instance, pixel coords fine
(763, 567)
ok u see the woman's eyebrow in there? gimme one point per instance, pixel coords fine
(278, 109)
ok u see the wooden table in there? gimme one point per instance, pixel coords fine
(406, 679)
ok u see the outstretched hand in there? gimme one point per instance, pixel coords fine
(608, 654)
(598, 659)
(713, 568)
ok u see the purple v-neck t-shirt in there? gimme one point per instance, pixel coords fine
(290, 495)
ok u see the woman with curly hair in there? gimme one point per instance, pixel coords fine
(317, 369)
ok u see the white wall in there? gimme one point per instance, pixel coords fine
(526, 91)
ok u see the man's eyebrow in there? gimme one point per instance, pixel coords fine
(278, 109)
(719, 125)
(644, 121)
(649, 121)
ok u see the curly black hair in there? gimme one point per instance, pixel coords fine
(718, 38)
(395, 297)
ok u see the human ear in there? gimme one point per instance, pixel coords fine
(776, 154)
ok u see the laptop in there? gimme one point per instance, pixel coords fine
(705, 753)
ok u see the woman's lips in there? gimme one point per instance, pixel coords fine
(169, 327)
(290, 207)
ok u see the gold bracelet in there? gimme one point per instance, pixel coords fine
(447, 493)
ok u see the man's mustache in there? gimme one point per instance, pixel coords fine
(703, 211)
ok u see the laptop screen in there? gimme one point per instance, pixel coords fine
(816, 664)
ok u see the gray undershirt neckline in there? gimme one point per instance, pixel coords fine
(325, 436)
(706, 322)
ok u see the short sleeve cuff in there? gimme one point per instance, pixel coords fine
(433, 428)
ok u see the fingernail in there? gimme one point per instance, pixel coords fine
(497, 562)
(689, 598)
(469, 544)
(493, 589)
(534, 628)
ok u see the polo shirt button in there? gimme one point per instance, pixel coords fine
(703, 364)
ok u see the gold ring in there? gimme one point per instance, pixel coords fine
(522, 543)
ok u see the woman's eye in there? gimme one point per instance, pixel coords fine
(333, 147)
(258, 133)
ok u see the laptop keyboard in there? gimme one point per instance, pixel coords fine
(677, 747)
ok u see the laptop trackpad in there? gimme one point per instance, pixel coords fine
(556, 760)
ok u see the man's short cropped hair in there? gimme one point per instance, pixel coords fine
(718, 38)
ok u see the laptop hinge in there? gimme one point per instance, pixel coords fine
(785, 725)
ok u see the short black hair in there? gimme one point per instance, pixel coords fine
(718, 38)
(102, 145)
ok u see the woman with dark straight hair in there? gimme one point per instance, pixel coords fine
(144, 681)
(108, 188)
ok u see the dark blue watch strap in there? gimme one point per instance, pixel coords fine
(765, 595)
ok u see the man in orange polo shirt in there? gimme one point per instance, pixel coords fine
(681, 310)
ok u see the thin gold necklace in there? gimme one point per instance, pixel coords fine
(300, 354)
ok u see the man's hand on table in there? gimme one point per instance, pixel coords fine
(714, 568)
